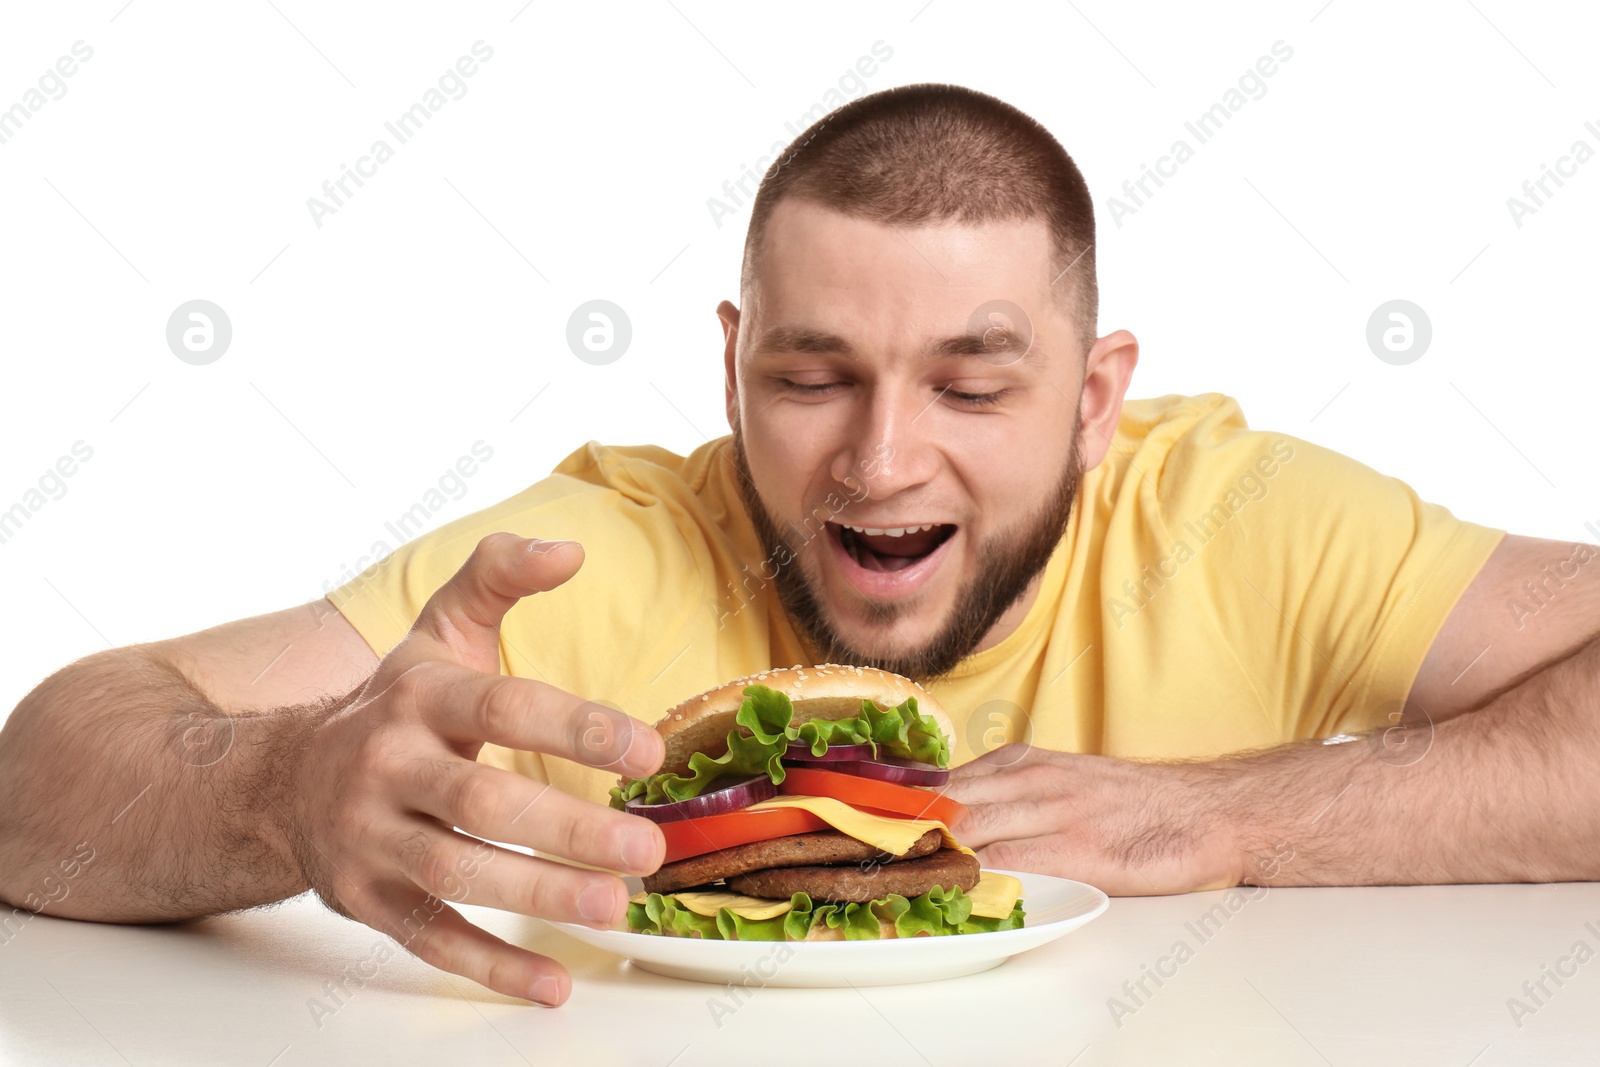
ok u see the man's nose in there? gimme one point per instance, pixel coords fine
(891, 448)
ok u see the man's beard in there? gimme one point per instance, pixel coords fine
(1008, 561)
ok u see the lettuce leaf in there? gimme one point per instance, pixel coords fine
(982, 924)
(737, 928)
(745, 758)
(765, 713)
(664, 915)
(898, 731)
(938, 912)
(934, 912)
(764, 728)
(798, 919)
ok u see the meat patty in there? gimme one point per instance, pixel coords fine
(796, 850)
(909, 878)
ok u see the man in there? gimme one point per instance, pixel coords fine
(931, 469)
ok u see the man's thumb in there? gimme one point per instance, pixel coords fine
(464, 614)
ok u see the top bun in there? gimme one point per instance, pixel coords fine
(826, 691)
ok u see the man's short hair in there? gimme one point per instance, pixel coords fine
(929, 153)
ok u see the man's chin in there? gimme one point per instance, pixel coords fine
(916, 635)
(884, 629)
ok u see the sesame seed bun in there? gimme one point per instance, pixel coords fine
(825, 691)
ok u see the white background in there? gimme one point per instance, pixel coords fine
(369, 354)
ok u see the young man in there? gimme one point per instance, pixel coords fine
(932, 469)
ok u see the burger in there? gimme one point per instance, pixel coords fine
(807, 804)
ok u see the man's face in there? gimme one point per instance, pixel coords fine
(919, 489)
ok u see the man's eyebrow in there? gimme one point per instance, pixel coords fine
(995, 340)
(781, 339)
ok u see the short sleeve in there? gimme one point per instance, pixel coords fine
(600, 635)
(619, 539)
(1328, 580)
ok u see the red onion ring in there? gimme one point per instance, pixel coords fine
(900, 772)
(731, 797)
(801, 751)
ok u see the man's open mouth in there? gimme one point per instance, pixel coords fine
(891, 548)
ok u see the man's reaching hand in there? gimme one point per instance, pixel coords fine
(372, 800)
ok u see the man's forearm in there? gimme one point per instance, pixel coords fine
(1507, 793)
(126, 796)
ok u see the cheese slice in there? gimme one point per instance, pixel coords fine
(708, 902)
(994, 895)
(892, 835)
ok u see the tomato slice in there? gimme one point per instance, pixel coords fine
(887, 797)
(696, 837)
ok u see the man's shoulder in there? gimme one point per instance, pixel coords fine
(1162, 436)
(693, 496)
(647, 468)
(1176, 457)
(1163, 421)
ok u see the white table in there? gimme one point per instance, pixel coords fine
(1297, 976)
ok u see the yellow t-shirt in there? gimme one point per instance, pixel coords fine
(1218, 588)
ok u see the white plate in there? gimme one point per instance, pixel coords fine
(1054, 906)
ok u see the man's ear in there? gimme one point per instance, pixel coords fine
(729, 317)
(1107, 371)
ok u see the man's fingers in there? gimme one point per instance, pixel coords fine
(464, 870)
(1021, 782)
(501, 806)
(460, 704)
(1039, 855)
(1057, 855)
(1085, 860)
(995, 760)
(986, 823)
(436, 933)
(989, 789)
(463, 615)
